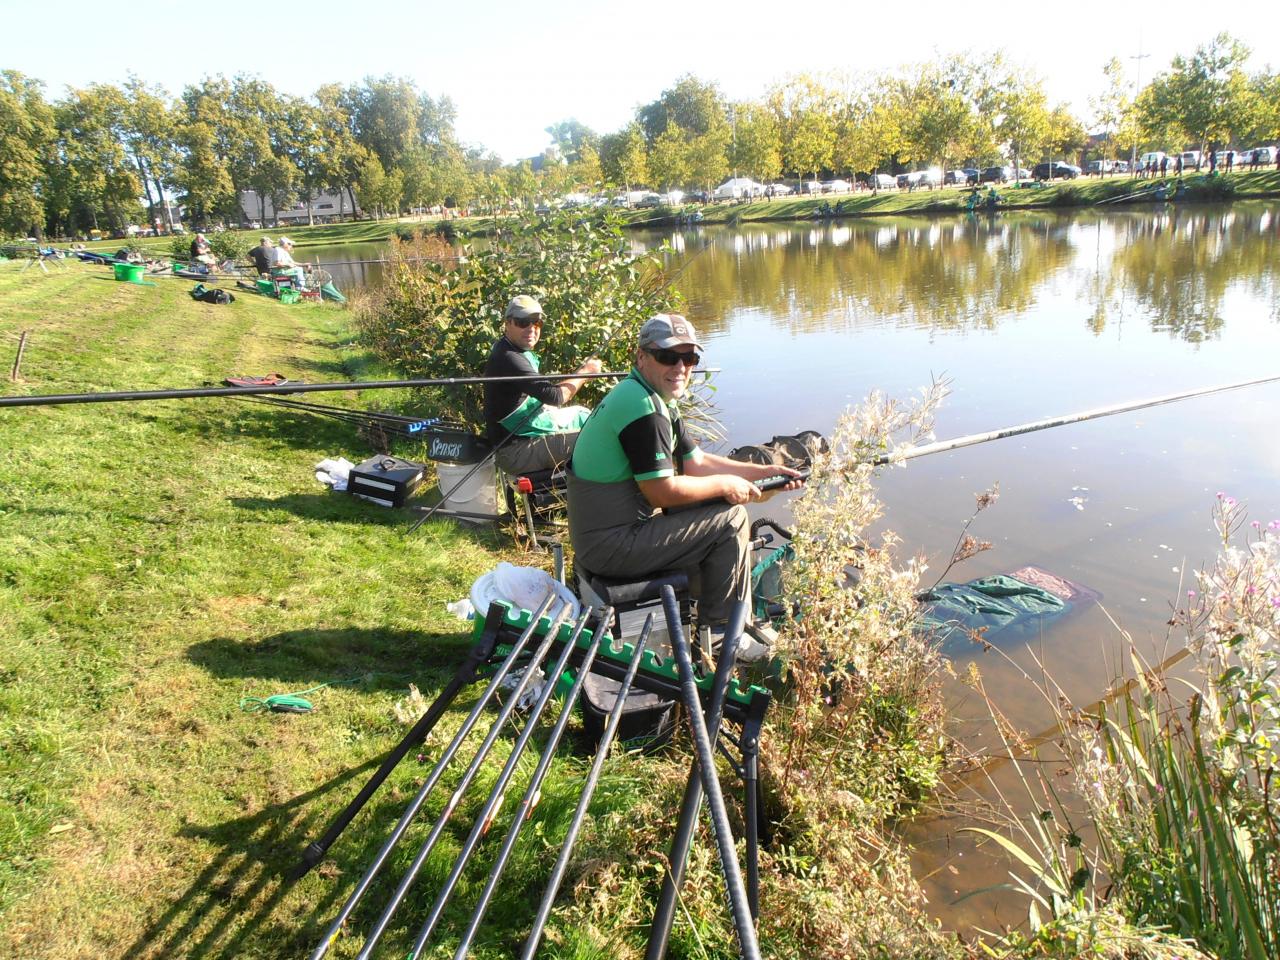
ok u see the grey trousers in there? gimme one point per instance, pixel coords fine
(713, 541)
(521, 455)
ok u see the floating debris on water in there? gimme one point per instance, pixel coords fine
(1078, 502)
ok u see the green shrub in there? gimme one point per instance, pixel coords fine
(226, 245)
(438, 316)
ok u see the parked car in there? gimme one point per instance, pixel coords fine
(1097, 168)
(779, 189)
(1055, 169)
(649, 200)
(812, 187)
(961, 177)
(1263, 155)
(1122, 166)
(1190, 158)
(881, 181)
(908, 181)
(836, 186)
(997, 175)
(1220, 157)
(1150, 160)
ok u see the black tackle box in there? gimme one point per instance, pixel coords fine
(386, 481)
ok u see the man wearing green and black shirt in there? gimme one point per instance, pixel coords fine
(544, 429)
(634, 456)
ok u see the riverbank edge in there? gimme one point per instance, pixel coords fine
(1076, 194)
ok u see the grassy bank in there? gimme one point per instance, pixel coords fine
(160, 562)
(157, 563)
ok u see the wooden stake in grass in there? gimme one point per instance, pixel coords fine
(17, 361)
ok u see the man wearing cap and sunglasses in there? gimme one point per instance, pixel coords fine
(634, 457)
(528, 422)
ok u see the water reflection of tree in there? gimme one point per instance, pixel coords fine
(1174, 264)
(1180, 263)
(941, 274)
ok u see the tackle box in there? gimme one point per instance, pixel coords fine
(386, 481)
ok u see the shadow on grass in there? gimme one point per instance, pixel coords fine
(227, 912)
(305, 657)
(243, 903)
(328, 506)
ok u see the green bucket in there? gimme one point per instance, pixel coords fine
(130, 272)
(289, 295)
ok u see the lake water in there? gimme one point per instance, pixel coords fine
(1030, 315)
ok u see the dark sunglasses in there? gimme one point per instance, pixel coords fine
(669, 358)
(524, 323)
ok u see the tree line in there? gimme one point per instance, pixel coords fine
(108, 155)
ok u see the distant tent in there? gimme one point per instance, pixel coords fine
(737, 187)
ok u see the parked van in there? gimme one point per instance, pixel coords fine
(1190, 158)
(1264, 155)
(882, 181)
(1150, 160)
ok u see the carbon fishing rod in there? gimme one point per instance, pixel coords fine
(455, 798)
(465, 674)
(736, 890)
(446, 757)
(673, 877)
(533, 792)
(498, 793)
(130, 396)
(975, 438)
(584, 799)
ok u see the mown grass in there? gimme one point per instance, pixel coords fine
(157, 563)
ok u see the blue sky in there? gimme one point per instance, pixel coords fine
(513, 68)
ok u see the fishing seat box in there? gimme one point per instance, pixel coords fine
(386, 481)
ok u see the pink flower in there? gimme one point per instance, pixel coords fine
(1191, 594)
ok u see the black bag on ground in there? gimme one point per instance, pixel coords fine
(211, 294)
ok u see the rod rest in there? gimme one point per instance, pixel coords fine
(656, 675)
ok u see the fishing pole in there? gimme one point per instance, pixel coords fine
(446, 757)
(533, 792)
(455, 798)
(975, 438)
(588, 791)
(128, 396)
(677, 859)
(498, 793)
(465, 673)
(743, 922)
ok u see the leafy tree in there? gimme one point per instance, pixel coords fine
(570, 137)
(1023, 126)
(805, 112)
(940, 123)
(869, 134)
(151, 137)
(26, 147)
(371, 186)
(1204, 99)
(708, 157)
(1067, 135)
(95, 177)
(586, 171)
(623, 156)
(692, 105)
(343, 156)
(757, 144)
(1110, 106)
(669, 159)
(1266, 97)
(202, 173)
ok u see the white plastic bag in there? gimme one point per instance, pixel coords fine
(524, 587)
